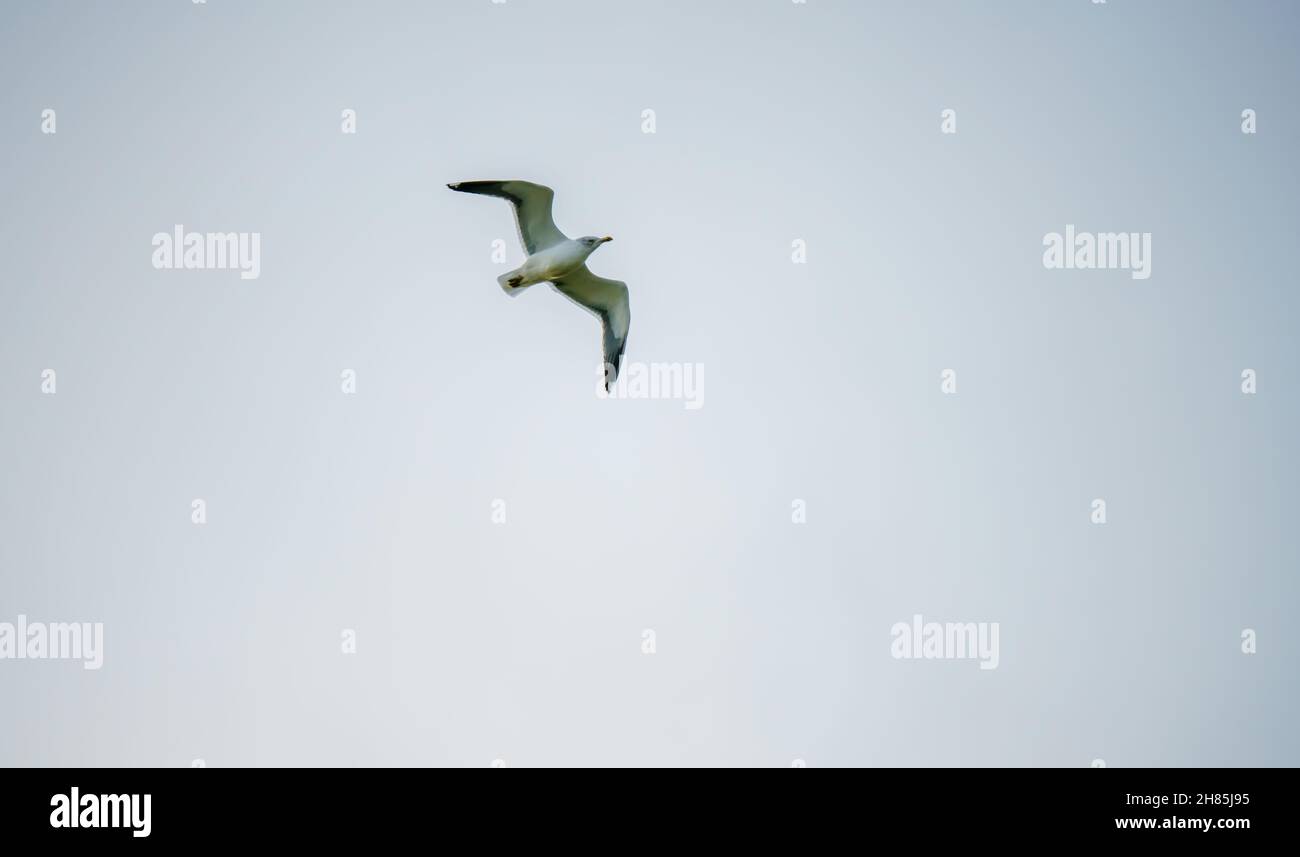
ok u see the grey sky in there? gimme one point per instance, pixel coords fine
(523, 641)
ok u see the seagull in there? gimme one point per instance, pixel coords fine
(562, 261)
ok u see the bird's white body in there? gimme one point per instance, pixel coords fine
(553, 262)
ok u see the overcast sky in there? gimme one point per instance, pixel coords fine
(827, 488)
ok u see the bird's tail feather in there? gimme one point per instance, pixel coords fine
(511, 283)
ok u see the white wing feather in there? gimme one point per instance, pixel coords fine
(608, 301)
(532, 203)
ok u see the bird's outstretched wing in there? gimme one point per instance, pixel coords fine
(607, 300)
(532, 203)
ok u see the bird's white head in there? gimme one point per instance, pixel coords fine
(591, 242)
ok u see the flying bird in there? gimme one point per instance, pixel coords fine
(562, 261)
